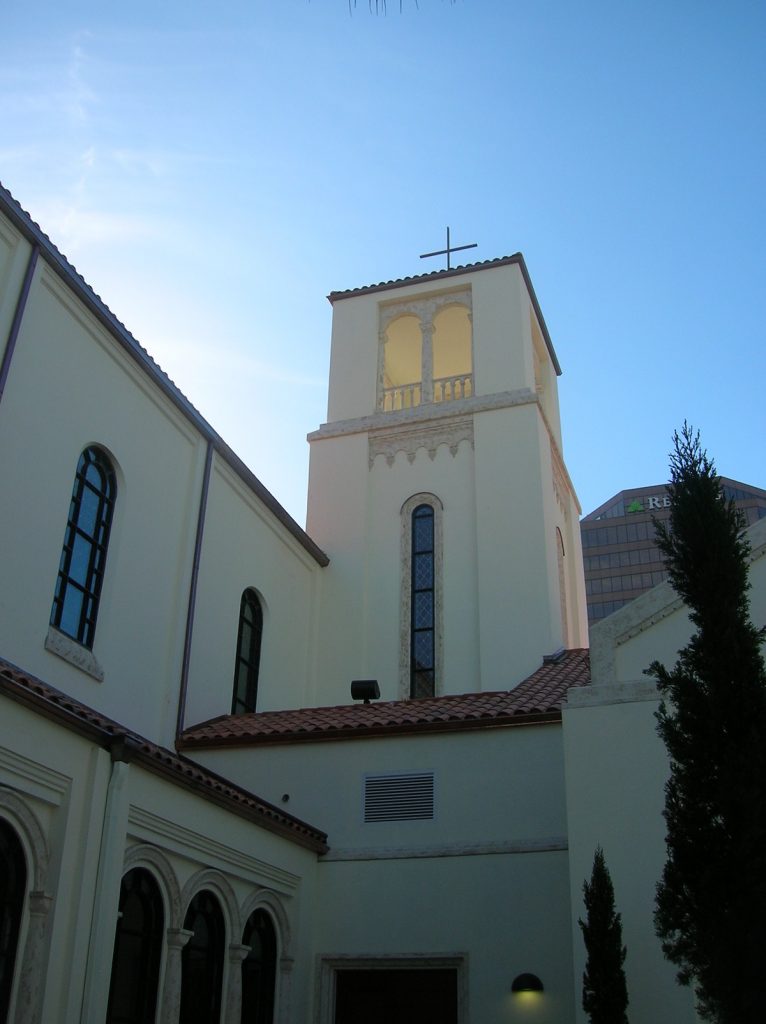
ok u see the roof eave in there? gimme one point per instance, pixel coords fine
(368, 732)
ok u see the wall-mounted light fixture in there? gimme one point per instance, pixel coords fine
(365, 689)
(526, 983)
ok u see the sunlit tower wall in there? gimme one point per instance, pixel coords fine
(443, 406)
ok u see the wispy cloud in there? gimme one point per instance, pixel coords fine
(79, 97)
(75, 226)
(227, 362)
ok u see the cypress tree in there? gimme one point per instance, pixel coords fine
(604, 991)
(711, 901)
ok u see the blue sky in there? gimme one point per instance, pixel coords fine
(213, 172)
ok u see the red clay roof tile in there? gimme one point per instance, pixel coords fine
(128, 745)
(537, 698)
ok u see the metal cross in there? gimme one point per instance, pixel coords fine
(450, 249)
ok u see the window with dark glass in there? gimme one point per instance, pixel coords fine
(202, 961)
(137, 951)
(248, 653)
(13, 883)
(83, 557)
(422, 630)
(259, 969)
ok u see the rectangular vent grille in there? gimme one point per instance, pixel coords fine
(399, 797)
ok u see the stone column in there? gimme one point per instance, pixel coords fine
(426, 362)
(237, 954)
(382, 371)
(284, 979)
(171, 992)
(98, 967)
(31, 988)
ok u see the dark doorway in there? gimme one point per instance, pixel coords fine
(403, 996)
(137, 951)
(13, 884)
(259, 970)
(202, 961)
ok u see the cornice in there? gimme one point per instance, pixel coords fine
(423, 414)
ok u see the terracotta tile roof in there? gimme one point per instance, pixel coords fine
(537, 699)
(126, 745)
(398, 282)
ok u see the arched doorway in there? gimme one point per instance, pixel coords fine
(259, 969)
(202, 961)
(13, 884)
(137, 951)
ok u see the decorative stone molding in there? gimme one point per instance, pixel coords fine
(68, 649)
(615, 693)
(237, 953)
(171, 993)
(33, 963)
(560, 487)
(219, 885)
(633, 619)
(264, 899)
(284, 990)
(206, 849)
(425, 309)
(409, 439)
(426, 414)
(25, 824)
(548, 844)
(145, 856)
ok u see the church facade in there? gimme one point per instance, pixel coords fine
(197, 821)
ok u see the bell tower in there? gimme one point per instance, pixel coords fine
(438, 488)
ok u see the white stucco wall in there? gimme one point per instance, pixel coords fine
(486, 878)
(245, 546)
(615, 774)
(616, 767)
(91, 393)
(490, 465)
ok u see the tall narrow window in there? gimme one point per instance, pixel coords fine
(13, 882)
(259, 969)
(248, 653)
(202, 961)
(83, 557)
(422, 636)
(137, 951)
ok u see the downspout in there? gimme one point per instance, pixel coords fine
(193, 590)
(5, 366)
(111, 857)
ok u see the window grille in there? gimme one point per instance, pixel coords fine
(248, 654)
(83, 557)
(422, 629)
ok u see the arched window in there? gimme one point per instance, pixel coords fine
(259, 969)
(420, 648)
(83, 557)
(202, 961)
(137, 951)
(248, 653)
(13, 884)
(423, 624)
(562, 588)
